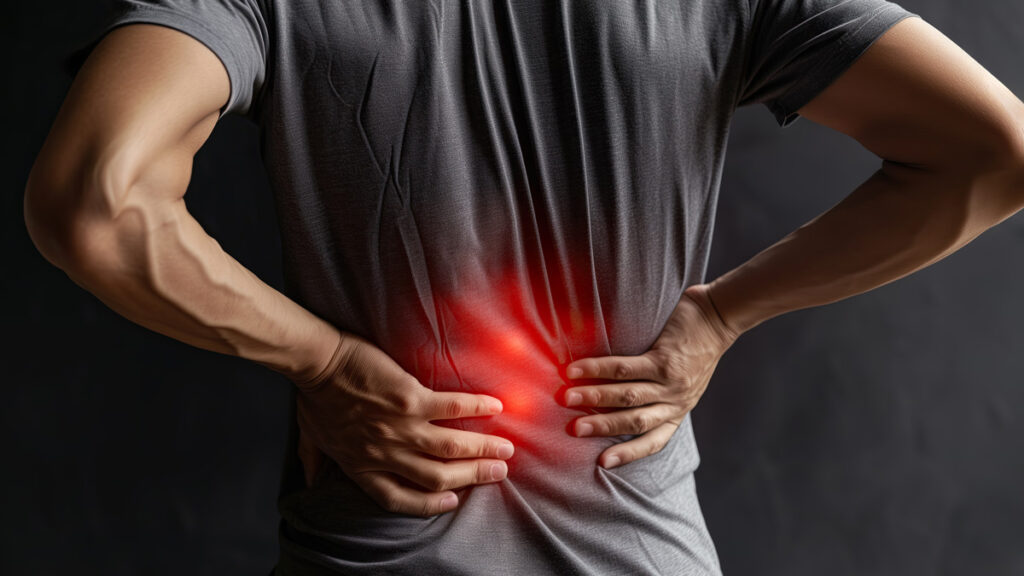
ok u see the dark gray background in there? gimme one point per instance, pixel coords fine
(880, 435)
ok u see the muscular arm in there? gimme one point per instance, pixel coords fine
(951, 138)
(952, 142)
(104, 202)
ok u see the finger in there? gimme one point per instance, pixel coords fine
(626, 421)
(454, 444)
(437, 476)
(614, 395)
(451, 405)
(640, 367)
(637, 448)
(310, 456)
(393, 496)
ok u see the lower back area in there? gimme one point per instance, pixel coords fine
(557, 512)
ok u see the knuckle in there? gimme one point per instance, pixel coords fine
(407, 383)
(673, 368)
(406, 402)
(451, 408)
(449, 448)
(654, 449)
(438, 481)
(374, 453)
(631, 397)
(391, 501)
(381, 429)
(623, 371)
(640, 424)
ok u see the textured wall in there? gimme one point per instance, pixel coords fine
(880, 435)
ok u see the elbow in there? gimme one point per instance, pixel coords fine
(1006, 142)
(69, 219)
(49, 222)
(983, 172)
(999, 182)
(1015, 155)
(975, 144)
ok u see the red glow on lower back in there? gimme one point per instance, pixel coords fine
(513, 345)
(516, 402)
(503, 348)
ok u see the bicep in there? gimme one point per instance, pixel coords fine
(916, 98)
(141, 106)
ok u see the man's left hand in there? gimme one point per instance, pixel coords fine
(653, 391)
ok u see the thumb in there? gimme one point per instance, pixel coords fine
(311, 456)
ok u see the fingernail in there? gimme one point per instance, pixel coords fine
(612, 462)
(584, 428)
(505, 451)
(449, 502)
(495, 406)
(573, 398)
(498, 471)
(574, 372)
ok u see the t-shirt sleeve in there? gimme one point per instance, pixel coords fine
(796, 48)
(234, 30)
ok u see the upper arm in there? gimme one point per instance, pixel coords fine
(142, 104)
(915, 98)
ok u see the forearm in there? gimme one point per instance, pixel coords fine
(899, 221)
(152, 262)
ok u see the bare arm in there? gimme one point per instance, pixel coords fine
(951, 138)
(104, 202)
(952, 142)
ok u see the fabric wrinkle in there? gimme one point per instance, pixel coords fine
(523, 76)
(567, 36)
(487, 190)
(361, 113)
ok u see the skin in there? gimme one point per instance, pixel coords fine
(951, 139)
(104, 202)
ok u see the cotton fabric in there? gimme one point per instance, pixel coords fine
(488, 191)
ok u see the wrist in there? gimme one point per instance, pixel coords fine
(320, 370)
(734, 306)
(732, 331)
(700, 295)
(313, 359)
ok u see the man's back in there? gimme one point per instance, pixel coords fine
(487, 193)
(490, 192)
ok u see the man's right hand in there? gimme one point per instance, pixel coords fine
(374, 420)
(105, 203)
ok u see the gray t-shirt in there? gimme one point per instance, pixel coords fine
(487, 191)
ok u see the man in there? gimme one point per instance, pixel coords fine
(496, 220)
